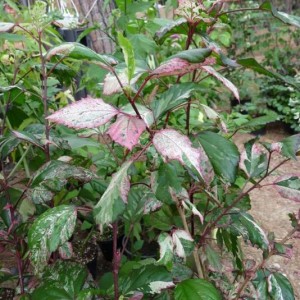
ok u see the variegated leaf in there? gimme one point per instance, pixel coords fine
(279, 287)
(146, 113)
(243, 224)
(179, 243)
(165, 250)
(172, 145)
(253, 160)
(179, 66)
(66, 250)
(49, 231)
(127, 130)
(288, 186)
(86, 113)
(183, 243)
(224, 80)
(52, 177)
(5, 27)
(113, 86)
(112, 203)
(183, 197)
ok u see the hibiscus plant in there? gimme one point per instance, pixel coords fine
(151, 155)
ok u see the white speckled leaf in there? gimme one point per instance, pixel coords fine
(224, 80)
(49, 231)
(279, 287)
(112, 202)
(52, 177)
(127, 130)
(253, 160)
(173, 145)
(165, 250)
(157, 286)
(288, 186)
(86, 113)
(66, 251)
(183, 243)
(179, 66)
(178, 243)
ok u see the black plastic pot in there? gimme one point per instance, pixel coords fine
(106, 247)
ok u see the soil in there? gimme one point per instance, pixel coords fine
(271, 211)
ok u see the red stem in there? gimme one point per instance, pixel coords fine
(116, 260)
(20, 271)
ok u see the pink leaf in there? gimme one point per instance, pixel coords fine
(179, 66)
(288, 186)
(86, 113)
(172, 145)
(127, 130)
(224, 80)
(137, 296)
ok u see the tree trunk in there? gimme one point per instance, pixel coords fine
(97, 11)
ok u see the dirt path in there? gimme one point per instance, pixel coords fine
(271, 212)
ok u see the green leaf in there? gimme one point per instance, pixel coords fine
(28, 137)
(112, 203)
(222, 153)
(80, 52)
(199, 289)
(193, 55)
(149, 279)
(253, 160)
(243, 224)
(288, 186)
(62, 280)
(260, 121)
(128, 53)
(140, 202)
(290, 146)
(166, 177)
(213, 258)
(7, 145)
(252, 64)
(279, 287)
(11, 37)
(173, 27)
(52, 177)
(273, 286)
(49, 231)
(283, 17)
(142, 45)
(260, 284)
(172, 98)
